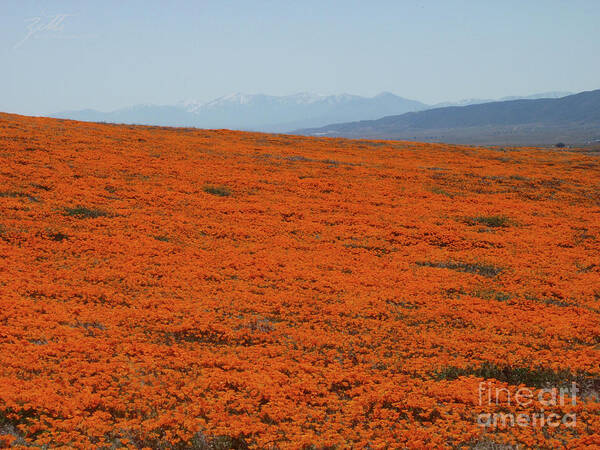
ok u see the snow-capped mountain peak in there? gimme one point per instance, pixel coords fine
(239, 98)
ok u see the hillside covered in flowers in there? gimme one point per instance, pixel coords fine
(187, 288)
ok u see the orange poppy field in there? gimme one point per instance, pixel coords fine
(184, 288)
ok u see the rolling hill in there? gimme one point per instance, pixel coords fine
(574, 119)
(178, 288)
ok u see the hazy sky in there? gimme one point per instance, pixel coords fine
(109, 54)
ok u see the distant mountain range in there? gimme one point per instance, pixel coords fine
(257, 112)
(476, 101)
(267, 113)
(574, 119)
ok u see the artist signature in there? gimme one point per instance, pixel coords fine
(39, 25)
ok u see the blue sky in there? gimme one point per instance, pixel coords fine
(109, 54)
